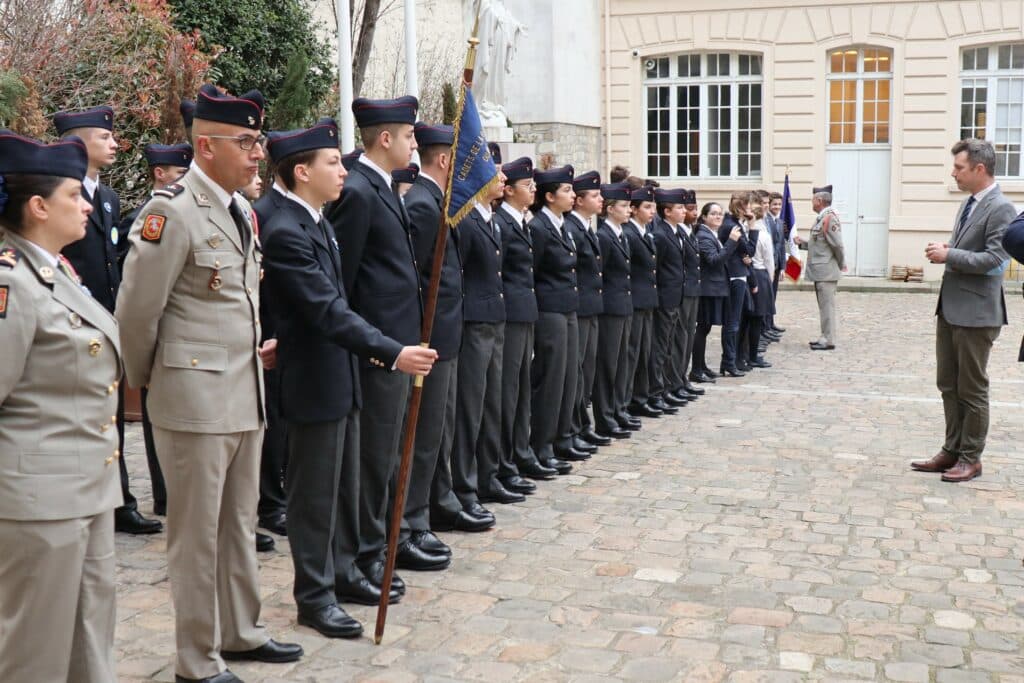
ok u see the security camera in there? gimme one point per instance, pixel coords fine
(636, 52)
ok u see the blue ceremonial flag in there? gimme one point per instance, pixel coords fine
(788, 215)
(472, 172)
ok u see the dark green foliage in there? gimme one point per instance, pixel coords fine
(449, 104)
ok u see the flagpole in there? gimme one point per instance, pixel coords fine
(412, 416)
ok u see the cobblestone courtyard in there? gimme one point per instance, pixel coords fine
(772, 531)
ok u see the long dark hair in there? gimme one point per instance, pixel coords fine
(704, 211)
(19, 188)
(540, 196)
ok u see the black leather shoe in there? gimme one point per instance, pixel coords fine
(581, 445)
(414, 558)
(630, 425)
(743, 366)
(517, 484)
(733, 372)
(264, 543)
(463, 521)
(425, 539)
(815, 346)
(224, 676)
(331, 621)
(685, 395)
(271, 652)
(709, 373)
(535, 470)
(160, 508)
(497, 493)
(663, 407)
(477, 510)
(697, 391)
(616, 433)
(571, 454)
(375, 573)
(595, 439)
(760, 363)
(364, 592)
(777, 329)
(675, 399)
(129, 521)
(560, 466)
(701, 378)
(643, 411)
(277, 524)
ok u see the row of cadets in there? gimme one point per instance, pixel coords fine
(644, 271)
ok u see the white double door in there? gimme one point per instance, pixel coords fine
(860, 195)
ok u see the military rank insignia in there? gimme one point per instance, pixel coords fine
(9, 257)
(153, 227)
(3, 301)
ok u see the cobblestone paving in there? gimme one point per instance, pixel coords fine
(770, 532)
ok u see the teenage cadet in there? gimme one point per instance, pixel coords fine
(644, 282)
(692, 277)
(667, 326)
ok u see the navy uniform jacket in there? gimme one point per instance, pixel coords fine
(517, 269)
(554, 262)
(713, 256)
(777, 229)
(618, 289)
(265, 208)
(746, 245)
(670, 264)
(692, 274)
(423, 203)
(96, 256)
(589, 267)
(644, 265)
(480, 249)
(377, 260)
(317, 330)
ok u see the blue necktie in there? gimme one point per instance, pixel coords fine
(964, 214)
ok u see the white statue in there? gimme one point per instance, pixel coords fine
(499, 34)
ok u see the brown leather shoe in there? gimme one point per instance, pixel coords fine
(964, 471)
(940, 463)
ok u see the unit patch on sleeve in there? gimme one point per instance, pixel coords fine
(3, 301)
(153, 227)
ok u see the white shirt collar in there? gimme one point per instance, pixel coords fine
(280, 188)
(484, 211)
(687, 230)
(980, 194)
(52, 259)
(516, 215)
(641, 228)
(585, 222)
(556, 220)
(222, 195)
(617, 229)
(90, 185)
(314, 214)
(380, 171)
(436, 184)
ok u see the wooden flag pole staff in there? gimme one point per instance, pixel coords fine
(412, 416)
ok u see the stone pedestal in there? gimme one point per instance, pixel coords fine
(498, 134)
(510, 151)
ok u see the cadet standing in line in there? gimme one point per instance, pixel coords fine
(96, 259)
(692, 276)
(644, 265)
(589, 266)
(58, 483)
(189, 313)
(520, 318)
(667, 326)
(826, 262)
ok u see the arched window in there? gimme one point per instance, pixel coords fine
(859, 96)
(992, 102)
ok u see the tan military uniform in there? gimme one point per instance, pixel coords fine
(58, 473)
(825, 262)
(188, 308)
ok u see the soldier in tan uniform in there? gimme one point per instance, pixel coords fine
(59, 481)
(188, 307)
(825, 264)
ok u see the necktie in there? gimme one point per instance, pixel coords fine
(332, 245)
(622, 240)
(965, 214)
(243, 227)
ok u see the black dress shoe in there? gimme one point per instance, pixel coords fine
(264, 543)
(130, 521)
(777, 329)
(616, 433)
(685, 395)
(701, 378)
(579, 444)
(425, 539)
(497, 493)
(224, 676)
(477, 510)
(535, 470)
(697, 391)
(517, 484)
(277, 524)
(643, 411)
(663, 407)
(675, 399)
(743, 366)
(414, 558)
(160, 508)
(462, 521)
(331, 621)
(760, 363)
(630, 425)
(571, 454)
(815, 346)
(708, 373)
(271, 652)
(733, 372)
(375, 573)
(593, 438)
(364, 592)
(560, 466)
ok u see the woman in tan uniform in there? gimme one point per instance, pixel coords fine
(58, 438)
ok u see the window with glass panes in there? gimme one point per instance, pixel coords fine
(704, 115)
(992, 102)
(859, 96)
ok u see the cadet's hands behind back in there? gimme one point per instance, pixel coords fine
(416, 360)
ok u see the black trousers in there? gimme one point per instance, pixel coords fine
(687, 338)
(589, 331)
(274, 457)
(156, 476)
(476, 450)
(733, 320)
(610, 378)
(567, 409)
(548, 380)
(640, 339)
(516, 361)
(776, 278)
(323, 508)
(666, 331)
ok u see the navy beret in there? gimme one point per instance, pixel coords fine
(375, 112)
(495, 151)
(406, 175)
(615, 191)
(644, 193)
(349, 160)
(827, 188)
(169, 155)
(188, 112)
(97, 117)
(245, 111)
(689, 197)
(67, 158)
(670, 196)
(1013, 239)
(563, 174)
(281, 144)
(519, 169)
(591, 180)
(428, 134)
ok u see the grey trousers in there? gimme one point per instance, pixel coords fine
(687, 335)
(961, 374)
(826, 295)
(434, 432)
(516, 360)
(587, 366)
(666, 330)
(640, 337)
(610, 377)
(476, 448)
(548, 380)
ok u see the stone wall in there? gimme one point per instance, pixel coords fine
(570, 143)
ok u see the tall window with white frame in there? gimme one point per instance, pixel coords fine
(703, 115)
(859, 96)
(992, 102)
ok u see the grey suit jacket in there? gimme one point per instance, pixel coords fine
(972, 284)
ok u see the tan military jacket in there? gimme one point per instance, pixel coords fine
(825, 256)
(58, 392)
(189, 312)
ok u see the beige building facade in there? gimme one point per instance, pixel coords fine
(720, 95)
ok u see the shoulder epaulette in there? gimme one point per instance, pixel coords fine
(9, 257)
(171, 191)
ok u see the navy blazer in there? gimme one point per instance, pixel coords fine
(670, 264)
(318, 332)
(265, 207)
(692, 275)
(378, 263)
(777, 229)
(517, 269)
(618, 289)
(96, 256)
(734, 265)
(480, 249)
(554, 263)
(713, 257)
(589, 267)
(644, 264)
(423, 204)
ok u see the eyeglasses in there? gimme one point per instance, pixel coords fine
(245, 142)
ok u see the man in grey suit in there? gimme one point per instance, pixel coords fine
(970, 311)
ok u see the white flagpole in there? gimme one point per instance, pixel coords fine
(412, 83)
(346, 120)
